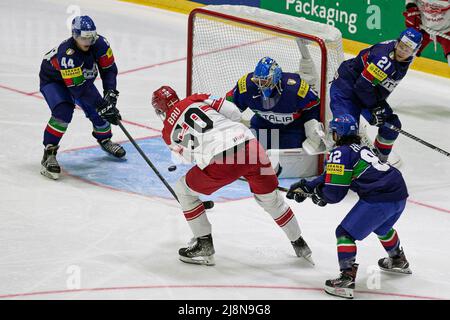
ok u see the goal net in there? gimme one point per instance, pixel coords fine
(226, 41)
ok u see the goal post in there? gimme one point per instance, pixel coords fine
(225, 42)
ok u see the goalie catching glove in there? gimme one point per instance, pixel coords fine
(107, 109)
(305, 192)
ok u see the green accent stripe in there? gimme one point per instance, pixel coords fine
(78, 80)
(359, 168)
(57, 125)
(345, 179)
(108, 128)
(384, 141)
(387, 237)
(345, 241)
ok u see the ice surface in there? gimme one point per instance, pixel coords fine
(123, 244)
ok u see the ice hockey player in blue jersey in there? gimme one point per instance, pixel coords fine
(67, 78)
(363, 84)
(281, 101)
(382, 198)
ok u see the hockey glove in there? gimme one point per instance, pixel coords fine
(110, 96)
(107, 109)
(305, 192)
(299, 196)
(412, 17)
(378, 117)
(109, 113)
(317, 197)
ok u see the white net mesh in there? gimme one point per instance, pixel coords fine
(224, 50)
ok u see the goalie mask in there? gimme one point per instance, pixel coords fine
(163, 100)
(267, 76)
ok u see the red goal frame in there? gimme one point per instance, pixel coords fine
(319, 41)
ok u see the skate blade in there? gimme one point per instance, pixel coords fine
(203, 260)
(346, 293)
(51, 175)
(394, 160)
(397, 270)
(113, 155)
(309, 259)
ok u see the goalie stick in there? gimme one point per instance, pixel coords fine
(206, 204)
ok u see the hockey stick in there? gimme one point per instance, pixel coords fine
(435, 33)
(409, 135)
(283, 189)
(206, 204)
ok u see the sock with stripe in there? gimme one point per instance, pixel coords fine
(383, 145)
(274, 204)
(198, 220)
(346, 249)
(391, 243)
(54, 131)
(102, 132)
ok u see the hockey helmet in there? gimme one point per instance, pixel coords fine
(344, 125)
(410, 40)
(266, 76)
(84, 30)
(164, 99)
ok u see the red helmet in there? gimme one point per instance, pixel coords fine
(164, 99)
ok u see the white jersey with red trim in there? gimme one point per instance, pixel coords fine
(435, 14)
(201, 127)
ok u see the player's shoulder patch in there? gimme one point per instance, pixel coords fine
(104, 53)
(242, 84)
(70, 51)
(291, 82)
(303, 89)
(65, 47)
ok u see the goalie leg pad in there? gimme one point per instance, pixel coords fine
(274, 204)
(193, 209)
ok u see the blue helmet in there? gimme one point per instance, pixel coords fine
(84, 30)
(344, 125)
(412, 38)
(267, 75)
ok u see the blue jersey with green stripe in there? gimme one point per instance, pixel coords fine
(357, 168)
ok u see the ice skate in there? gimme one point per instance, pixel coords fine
(50, 166)
(112, 148)
(199, 251)
(302, 250)
(397, 264)
(344, 285)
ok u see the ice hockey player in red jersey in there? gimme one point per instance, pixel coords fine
(432, 18)
(206, 130)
